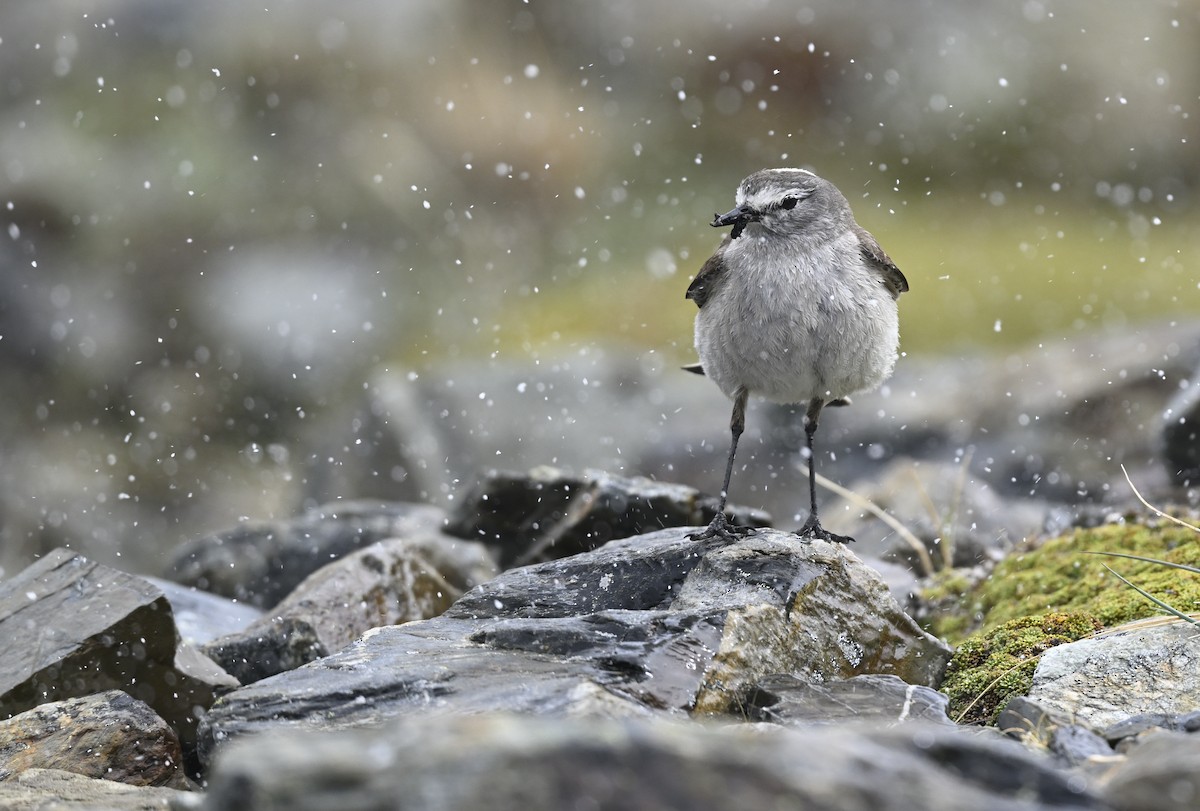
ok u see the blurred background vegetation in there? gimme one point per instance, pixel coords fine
(218, 217)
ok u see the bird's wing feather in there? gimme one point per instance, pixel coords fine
(892, 278)
(710, 277)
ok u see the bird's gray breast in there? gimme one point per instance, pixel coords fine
(796, 322)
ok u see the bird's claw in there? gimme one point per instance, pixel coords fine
(722, 528)
(812, 529)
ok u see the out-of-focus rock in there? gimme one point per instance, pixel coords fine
(55, 789)
(511, 762)
(548, 513)
(261, 563)
(390, 582)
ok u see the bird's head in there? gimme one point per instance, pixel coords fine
(787, 202)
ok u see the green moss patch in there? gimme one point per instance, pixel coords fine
(989, 668)
(1059, 576)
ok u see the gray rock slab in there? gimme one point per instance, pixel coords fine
(55, 789)
(1145, 667)
(73, 627)
(882, 699)
(500, 762)
(658, 623)
(1160, 774)
(389, 582)
(109, 735)
(261, 563)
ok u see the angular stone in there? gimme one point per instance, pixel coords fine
(261, 563)
(503, 762)
(1157, 664)
(548, 513)
(884, 699)
(1160, 774)
(55, 789)
(109, 735)
(73, 627)
(658, 622)
(1073, 744)
(390, 582)
(202, 617)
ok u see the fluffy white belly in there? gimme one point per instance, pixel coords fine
(798, 335)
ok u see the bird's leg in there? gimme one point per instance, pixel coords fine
(812, 527)
(721, 527)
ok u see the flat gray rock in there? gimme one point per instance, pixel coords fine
(389, 582)
(502, 762)
(1152, 666)
(882, 699)
(658, 623)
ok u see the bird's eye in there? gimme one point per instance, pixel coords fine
(789, 202)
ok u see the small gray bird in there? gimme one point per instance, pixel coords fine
(797, 305)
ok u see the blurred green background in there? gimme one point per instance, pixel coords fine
(219, 217)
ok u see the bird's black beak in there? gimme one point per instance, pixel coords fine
(739, 218)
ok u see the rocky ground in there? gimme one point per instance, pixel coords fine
(558, 639)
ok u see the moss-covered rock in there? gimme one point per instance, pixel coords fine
(1059, 576)
(989, 668)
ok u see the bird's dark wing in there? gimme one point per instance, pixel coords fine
(709, 279)
(892, 278)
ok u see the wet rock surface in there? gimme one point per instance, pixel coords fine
(390, 582)
(73, 627)
(46, 789)
(549, 513)
(260, 564)
(658, 620)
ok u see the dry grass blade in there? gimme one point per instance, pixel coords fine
(992, 684)
(1154, 509)
(901, 530)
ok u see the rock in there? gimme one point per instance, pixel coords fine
(1156, 664)
(202, 617)
(73, 627)
(109, 735)
(548, 513)
(501, 762)
(261, 563)
(882, 699)
(658, 622)
(1180, 439)
(55, 789)
(1073, 744)
(1158, 775)
(390, 582)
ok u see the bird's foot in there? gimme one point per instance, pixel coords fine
(722, 528)
(812, 529)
